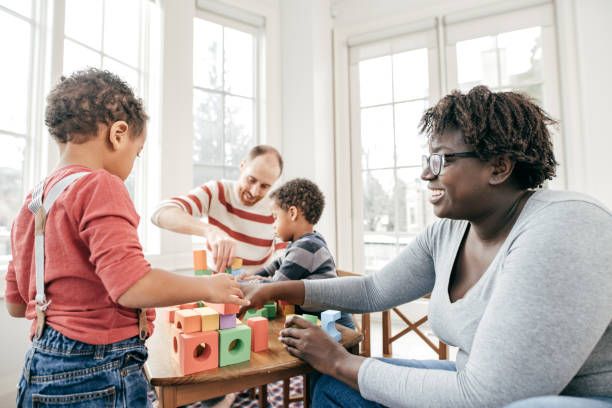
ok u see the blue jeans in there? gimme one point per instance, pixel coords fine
(59, 371)
(327, 392)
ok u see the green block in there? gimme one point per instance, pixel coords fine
(269, 310)
(311, 318)
(201, 303)
(239, 338)
(228, 270)
(202, 272)
(253, 313)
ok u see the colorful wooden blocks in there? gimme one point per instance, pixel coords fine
(227, 321)
(171, 310)
(224, 308)
(234, 345)
(269, 310)
(196, 351)
(328, 323)
(188, 321)
(259, 333)
(311, 318)
(199, 260)
(210, 318)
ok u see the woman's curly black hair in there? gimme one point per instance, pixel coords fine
(90, 97)
(302, 194)
(496, 124)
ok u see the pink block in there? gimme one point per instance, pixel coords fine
(227, 321)
(189, 305)
(171, 311)
(196, 352)
(224, 308)
(259, 333)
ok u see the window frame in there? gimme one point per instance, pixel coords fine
(257, 31)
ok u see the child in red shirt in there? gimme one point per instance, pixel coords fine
(93, 280)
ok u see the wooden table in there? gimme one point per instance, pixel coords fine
(174, 389)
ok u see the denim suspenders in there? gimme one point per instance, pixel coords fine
(40, 208)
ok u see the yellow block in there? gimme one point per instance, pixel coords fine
(210, 318)
(236, 263)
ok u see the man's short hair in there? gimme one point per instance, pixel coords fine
(302, 194)
(260, 150)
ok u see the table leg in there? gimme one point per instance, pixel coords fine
(263, 396)
(167, 397)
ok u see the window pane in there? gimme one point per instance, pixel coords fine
(410, 75)
(202, 174)
(23, 7)
(409, 143)
(413, 209)
(14, 73)
(84, 22)
(239, 53)
(122, 30)
(477, 62)
(126, 73)
(378, 208)
(378, 251)
(207, 54)
(375, 81)
(11, 181)
(377, 137)
(77, 57)
(521, 56)
(232, 173)
(239, 137)
(208, 128)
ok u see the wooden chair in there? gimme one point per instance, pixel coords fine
(362, 325)
(441, 349)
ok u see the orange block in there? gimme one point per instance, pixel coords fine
(189, 305)
(199, 260)
(236, 263)
(224, 308)
(196, 352)
(188, 321)
(171, 311)
(259, 333)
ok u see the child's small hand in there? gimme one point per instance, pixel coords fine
(256, 293)
(224, 289)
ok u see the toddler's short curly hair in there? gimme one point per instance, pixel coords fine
(302, 194)
(499, 123)
(85, 99)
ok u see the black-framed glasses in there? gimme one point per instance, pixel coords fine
(435, 161)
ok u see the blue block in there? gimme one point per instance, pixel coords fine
(328, 323)
(237, 272)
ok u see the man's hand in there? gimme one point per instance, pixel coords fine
(310, 343)
(222, 246)
(224, 289)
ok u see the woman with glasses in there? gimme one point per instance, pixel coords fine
(520, 277)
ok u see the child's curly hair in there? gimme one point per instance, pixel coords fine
(498, 123)
(302, 194)
(87, 98)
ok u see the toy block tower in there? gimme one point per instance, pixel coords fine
(199, 263)
(259, 333)
(196, 351)
(234, 345)
(328, 323)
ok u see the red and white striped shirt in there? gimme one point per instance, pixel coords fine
(251, 226)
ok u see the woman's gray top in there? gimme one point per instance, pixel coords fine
(538, 322)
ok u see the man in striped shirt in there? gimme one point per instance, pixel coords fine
(239, 220)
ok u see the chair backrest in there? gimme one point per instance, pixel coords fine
(363, 324)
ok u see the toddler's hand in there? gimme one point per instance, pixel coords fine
(224, 289)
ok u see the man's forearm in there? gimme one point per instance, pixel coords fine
(176, 220)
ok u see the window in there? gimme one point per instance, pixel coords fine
(395, 83)
(119, 36)
(225, 103)
(17, 22)
(394, 79)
